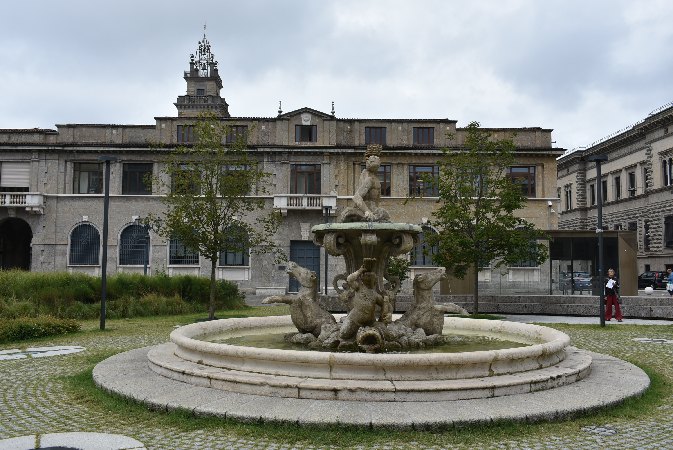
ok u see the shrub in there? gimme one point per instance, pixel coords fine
(35, 327)
(77, 296)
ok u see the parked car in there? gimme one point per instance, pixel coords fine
(655, 279)
(581, 281)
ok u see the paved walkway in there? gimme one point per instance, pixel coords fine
(581, 320)
(35, 398)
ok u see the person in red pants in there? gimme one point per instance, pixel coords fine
(611, 290)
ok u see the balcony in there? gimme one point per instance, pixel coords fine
(305, 202)
(32, 201)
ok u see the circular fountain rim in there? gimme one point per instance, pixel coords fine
(385, 226)
(367, 366)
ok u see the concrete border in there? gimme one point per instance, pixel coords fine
(128, 374)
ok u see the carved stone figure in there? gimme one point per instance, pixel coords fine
(367, 195)
(305, 311)
(364, 298)
(424, 313)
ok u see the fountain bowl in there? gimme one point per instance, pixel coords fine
(547, 362)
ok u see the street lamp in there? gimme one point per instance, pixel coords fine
(106, 207)
(598, 159)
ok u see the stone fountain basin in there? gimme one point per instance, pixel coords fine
(548, 348)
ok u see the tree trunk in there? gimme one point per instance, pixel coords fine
(476, 289)
(211, 303)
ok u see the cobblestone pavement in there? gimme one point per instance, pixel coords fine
(36, 398)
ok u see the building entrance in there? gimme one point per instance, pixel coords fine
(15, 238)
(307, 255)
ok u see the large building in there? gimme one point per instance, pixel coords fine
(51, 184)
(636, 185)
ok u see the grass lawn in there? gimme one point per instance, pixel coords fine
(57, 394)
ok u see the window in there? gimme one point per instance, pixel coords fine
(178, 254)
(604, 190)
(185, 134)
(646, 235)
(526, 262)
(384, 178)
(87, 178)
(646, 178)
(134, 246)
(632, 184)
(237, 133)
(667, 171)
(421, 255)
(632, 226)
(568, 194)
(423, 181)
(15, 176)
(305, 179)
(618, 188)
(305, 133)
(200, 92)
(668, 231)
(183, 183)
(424, 136)
(236, 256)
(84, 245)
(592, 194)
(617, 226)
(137, 179)
(524, 176)
(375, 135)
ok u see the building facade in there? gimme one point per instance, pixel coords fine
(636, 187)
(51, 185)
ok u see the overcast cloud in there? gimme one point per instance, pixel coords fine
(584, 68)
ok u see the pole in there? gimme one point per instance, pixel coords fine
(599, 230)
(146, 258)
(106, 207)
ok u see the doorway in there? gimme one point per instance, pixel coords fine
(15, 239)
(307, 255)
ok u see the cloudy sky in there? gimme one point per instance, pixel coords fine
(585, 68)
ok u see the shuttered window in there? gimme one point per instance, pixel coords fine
(15, 176)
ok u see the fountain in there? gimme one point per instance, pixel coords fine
(364, 236)
(362, 357)
(366, 239)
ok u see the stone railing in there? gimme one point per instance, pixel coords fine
(32, 201)
(316, 202)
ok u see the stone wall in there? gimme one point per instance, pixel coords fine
(646, 307)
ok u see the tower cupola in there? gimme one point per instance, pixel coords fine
(203, 85)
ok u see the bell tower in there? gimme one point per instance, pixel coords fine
(203, 85)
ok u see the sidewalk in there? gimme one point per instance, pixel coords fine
(581, 320)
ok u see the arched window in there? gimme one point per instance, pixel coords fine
(84, 245)
(422, 253)
(178, 254)
(134, 246)
(237, 254)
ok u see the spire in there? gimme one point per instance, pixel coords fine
(203, 83)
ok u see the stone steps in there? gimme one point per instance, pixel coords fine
(574, 367)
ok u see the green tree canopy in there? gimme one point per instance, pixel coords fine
(215, 197)
(475, 221)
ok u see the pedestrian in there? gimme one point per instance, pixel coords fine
(669, 286)
(611, 292)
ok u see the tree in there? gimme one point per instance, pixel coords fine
(209, 206)
(475, 220)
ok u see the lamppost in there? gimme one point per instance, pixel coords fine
(327, 209)
(598, 159)
(106, 206)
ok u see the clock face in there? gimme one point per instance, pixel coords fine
(306, 119)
